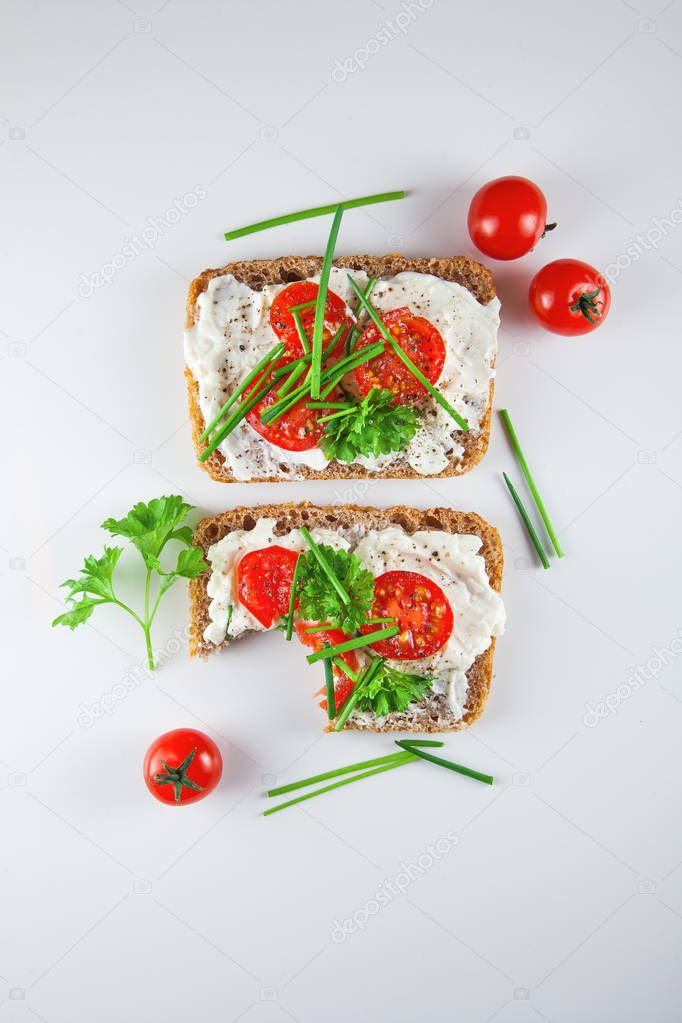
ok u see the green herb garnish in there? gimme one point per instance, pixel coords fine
(354, 333)
(525, 517)
(361, 765)
(392, 691)
(230, 612)
(408, 758)
(292, 597)
(318, 325)
(334, 587)
(412, 747)
(414, 370)
(314, 211)
(271, 356)
(149, 527)
(354, 644)
(372, 427)
(329, 687)
(520, 457)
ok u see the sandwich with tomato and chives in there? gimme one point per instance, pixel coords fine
(321, 367)
(397, 608)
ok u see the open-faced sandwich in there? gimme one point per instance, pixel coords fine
(390, 376)
(400, 606)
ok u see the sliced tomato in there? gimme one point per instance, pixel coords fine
(298, 429)
(422, 611)
(343, 685)
(419, 339)
(282, 319)
(264, 579)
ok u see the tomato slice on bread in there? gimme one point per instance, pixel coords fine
(283, 323)
(419, 339)
(422, 612)
(343, 685)
(298, 429)
(264, 579)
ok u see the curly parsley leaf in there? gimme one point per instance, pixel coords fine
(320, 602)
(391, 690)
(373, 427)
(149, 527)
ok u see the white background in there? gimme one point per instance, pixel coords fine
(562, 898)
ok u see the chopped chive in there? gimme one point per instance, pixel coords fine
(292, 599)
(322, 562)
(407, 759)
(300, 365)
(340, 663)
(361, 765)
(291, 380)
(356, 643)
(329, 686)
(271, 356)
(338, 415)
(318, 325)
(526, 521)
(302, 336)
(363, 679)
(284, 371)
(240, 412)
(321, 628)
(520, 457)
(302, 305)
(405, 744)
(421, 742)
(328, 404)
(354, 333)
(230, 610)
(315, 211)
(378, 621)
(414, 370)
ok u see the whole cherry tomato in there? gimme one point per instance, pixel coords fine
(182, 766)
(508, 217)
(569, 297)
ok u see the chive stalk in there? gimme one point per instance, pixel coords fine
(354, 333)
(521, 459)
(407, 759)
(314, 211)
(292, 599)
(329, 687)
(271, 356)
(240, 413)
(525, 517)
(449, 764)
(361, 765)
(364, 678)
(355, 643)
(318, 325)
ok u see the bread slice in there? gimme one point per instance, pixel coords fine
(257, 273)
(429, 715)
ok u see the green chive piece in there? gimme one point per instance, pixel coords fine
(354, 334)
(421, 742)
(292, 599)
(318, 326)
(328, 404)
(526, 521)
(240, 413)
(520, 457)
(340, 663)
(414, 370)
(378, 621)
(355, 643)
(230, 610)
(486, 778)
(327, 775)
(337, 415)
(300, 329)
(321, 628)
(315, 211)
(407, 759)
(271, 356)
(322, 562)
(302, 305)
(364, 678)
(329, 687)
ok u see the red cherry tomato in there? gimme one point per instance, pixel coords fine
(423, 615)
(419, 339)
(569, 297)
(343, 685)
(282, 319)
(508, 217)
(298, 429)
(264, 579)
(182, 766)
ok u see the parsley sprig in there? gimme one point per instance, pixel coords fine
(148, 527)
(373, 426)
(334, 587)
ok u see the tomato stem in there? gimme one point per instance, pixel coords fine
(548, 227)
(587, 304)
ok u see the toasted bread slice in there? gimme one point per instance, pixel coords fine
(429, 715)
(257, 273)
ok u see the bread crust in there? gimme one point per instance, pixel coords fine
(257, 273)
(432, 713)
